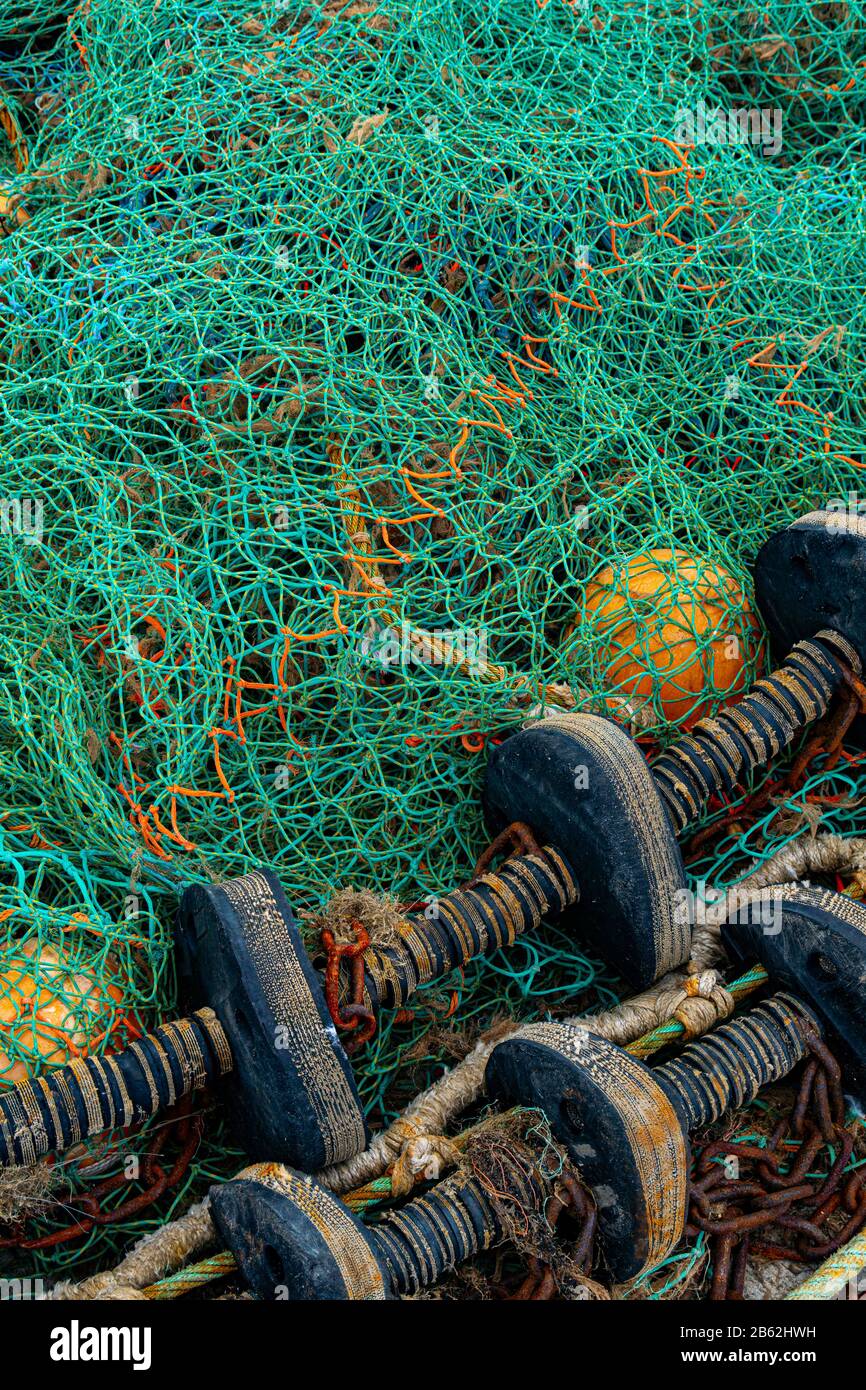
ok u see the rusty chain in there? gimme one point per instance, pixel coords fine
(156, 1180)
(809, 1217)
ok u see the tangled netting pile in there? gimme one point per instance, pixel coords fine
(323, 320)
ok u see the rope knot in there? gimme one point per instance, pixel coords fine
(707, 1002)
(423, 1159)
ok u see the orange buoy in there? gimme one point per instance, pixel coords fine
(670, 627)
(52, 1011)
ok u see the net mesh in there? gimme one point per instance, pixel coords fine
(326, 325)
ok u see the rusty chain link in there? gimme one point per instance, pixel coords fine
(344, 961)
(573, 1200)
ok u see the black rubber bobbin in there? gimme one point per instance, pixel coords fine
(292, 1238)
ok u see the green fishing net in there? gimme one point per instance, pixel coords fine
(323, 325)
